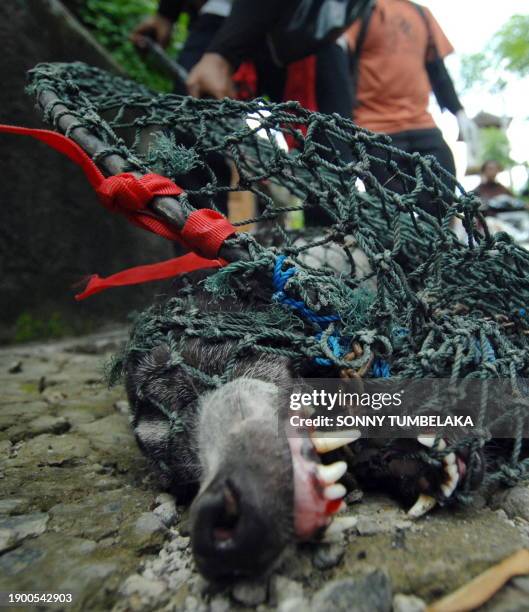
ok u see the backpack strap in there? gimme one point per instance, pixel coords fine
(354, 58)
(432, 54)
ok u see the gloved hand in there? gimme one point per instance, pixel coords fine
(469, 133)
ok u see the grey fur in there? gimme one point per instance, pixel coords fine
(231, 433)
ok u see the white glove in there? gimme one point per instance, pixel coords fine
(469, 132)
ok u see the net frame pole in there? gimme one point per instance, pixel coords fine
(168, 208)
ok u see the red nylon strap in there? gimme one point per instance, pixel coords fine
(204, 231)
(123, 192)
(126, 192)
(141, 274)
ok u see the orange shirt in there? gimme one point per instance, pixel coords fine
(393, 86)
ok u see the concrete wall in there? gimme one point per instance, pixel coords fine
(52, 229)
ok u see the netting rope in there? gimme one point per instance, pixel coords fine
(430, 303)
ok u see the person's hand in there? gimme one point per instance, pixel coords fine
(469, 133)
(157, 27)
(211, 77)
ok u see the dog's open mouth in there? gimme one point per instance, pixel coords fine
(452, 475)
(318, 495)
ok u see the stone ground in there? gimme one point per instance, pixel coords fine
(80, 513)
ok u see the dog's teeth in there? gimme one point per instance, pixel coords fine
(334, 491)
(339, 526)
(450, 459)
(326, 445)
(452, 471)
(453, 479)
(423, 505)
(426, 440)
(429, 441)
(329, 474)
(449, 487)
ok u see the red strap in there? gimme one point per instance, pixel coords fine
(204, 231)
(122, 192)
(126, 192)
(141, 274)
(245, 80)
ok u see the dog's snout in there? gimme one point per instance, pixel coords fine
(220, 513)
(230, 534)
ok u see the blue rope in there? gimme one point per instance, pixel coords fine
(381, 368)
(280, 279)
(335, 344)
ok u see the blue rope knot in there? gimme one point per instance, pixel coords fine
(339, 345)
(280, 279)
(336, 344)
(381, 368)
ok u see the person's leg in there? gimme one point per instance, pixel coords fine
(271, 79)
(424, 142)
(431, 142)
(200, 36)
(391, 169)
(334, 92)
(333, 95)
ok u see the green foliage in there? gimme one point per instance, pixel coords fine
(28, 327)
(511, 44)
(111, 23)
(473, 70)
(507, 51)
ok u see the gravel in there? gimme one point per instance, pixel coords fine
(249, 593)
(369, 593)
(408, 603)
(327, 556)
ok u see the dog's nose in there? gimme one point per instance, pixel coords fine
(230, 535)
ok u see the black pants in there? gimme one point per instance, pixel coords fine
(424, 142)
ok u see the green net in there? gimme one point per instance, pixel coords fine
(377, 263)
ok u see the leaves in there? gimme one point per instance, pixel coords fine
(111, 22)
(507, 51)
(511, 45)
